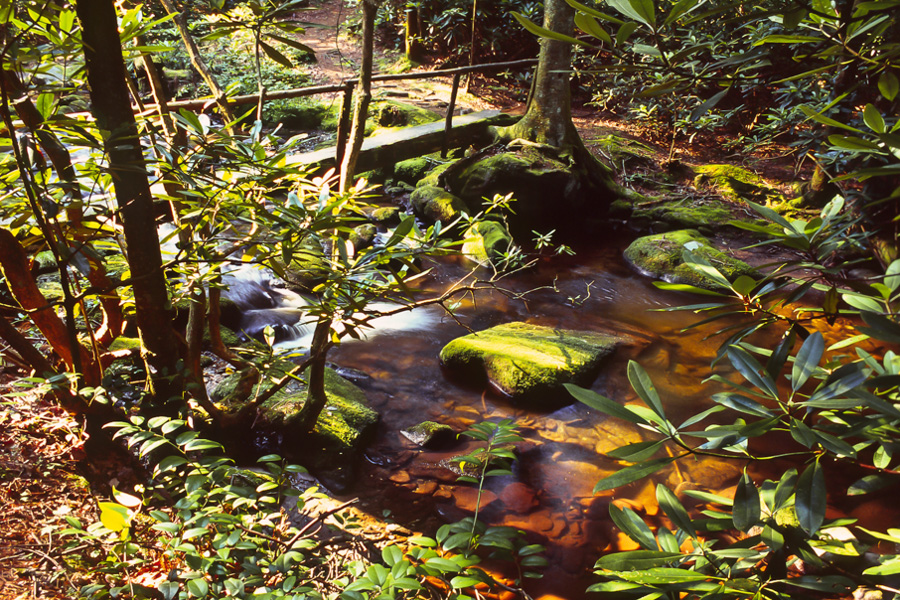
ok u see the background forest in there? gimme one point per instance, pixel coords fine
(124, 220)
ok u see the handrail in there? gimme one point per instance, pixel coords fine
(200, 103)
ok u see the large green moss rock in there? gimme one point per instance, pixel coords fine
(332, 450)
(658, 215)
(529, 362)
(550, 189)
(660, 256)
(737, 184)
(390, 113)
(486, 242)
(433, 204)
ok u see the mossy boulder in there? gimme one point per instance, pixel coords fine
(363, 235)
(390, 113)
(412, 170)
(737, 184)
(660, 256)
(620, 152)
(433, 204)
(486, 242)
(332, 450)
(666, 214)
(431, 435)
(385, 215)
(529, 363)
(550, 190)
(308, 267)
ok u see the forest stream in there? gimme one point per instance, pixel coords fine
(550, 495)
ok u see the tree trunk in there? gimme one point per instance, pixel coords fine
(198, 62)
(363, 95)
(111, 108)
(548, 119)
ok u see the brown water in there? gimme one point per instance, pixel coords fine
(550, 494)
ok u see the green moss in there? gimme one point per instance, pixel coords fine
(528, 361)
(705, 214)
(619, 152)
(436, 204)
(486, 241)
(412, 170)
(390, 113)
(429, 434)
(125, 343)
(737, 184)
(388, 215)
(660, 256)
(433, 178)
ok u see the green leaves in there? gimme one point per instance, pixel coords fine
(746, 510)
(811, 498)
(640, 10)
(632, 473)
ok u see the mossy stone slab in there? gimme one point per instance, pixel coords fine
(660, 256)
(486, 242)
(529, 362)
(345, 425)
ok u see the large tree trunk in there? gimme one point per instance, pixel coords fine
(111, 108)
(548, 119)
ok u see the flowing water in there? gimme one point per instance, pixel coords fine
(550, 496)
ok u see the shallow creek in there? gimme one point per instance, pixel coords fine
(550, 494)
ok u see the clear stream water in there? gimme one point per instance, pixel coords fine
(550, 496)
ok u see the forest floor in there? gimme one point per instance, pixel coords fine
(44, 474)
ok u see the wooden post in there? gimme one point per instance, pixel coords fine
(448, 124)
(343, 130)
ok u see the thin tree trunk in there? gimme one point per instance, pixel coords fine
(198, 62)
(363, 95)
(112, 110)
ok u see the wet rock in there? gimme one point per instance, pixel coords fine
(660, 256)
(429, 434)
(708, 472)
(363, 236)
(386, 215)
(432, 204)
(466, 498)
(529, 362)
(660, 215)
(333, 448)
(486, 242)
(518, 497)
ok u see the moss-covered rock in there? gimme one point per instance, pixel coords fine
(412, 170)
(433, 204)
(390, 113)
(333, 448)
(620, 152)
(660, 256)
(486, 242)
(308, 267)
(737, 184)
(431, 435)
(666, 214)
(385, 215)
(362, 236)
(550, 190)
(529, 362)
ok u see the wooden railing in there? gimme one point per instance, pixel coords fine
(346, 87)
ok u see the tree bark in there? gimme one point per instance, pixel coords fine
(198, 62)
(111, 108)
(548, 119)
(363, 95)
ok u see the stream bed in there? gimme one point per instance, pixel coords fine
(550, 495)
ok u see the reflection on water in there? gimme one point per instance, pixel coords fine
(550, 495)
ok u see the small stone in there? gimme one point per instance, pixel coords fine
(518, 497)
(431, 435)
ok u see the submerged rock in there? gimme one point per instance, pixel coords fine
(331, 451)
(429, 434)
(529, 362)
(660, 256)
